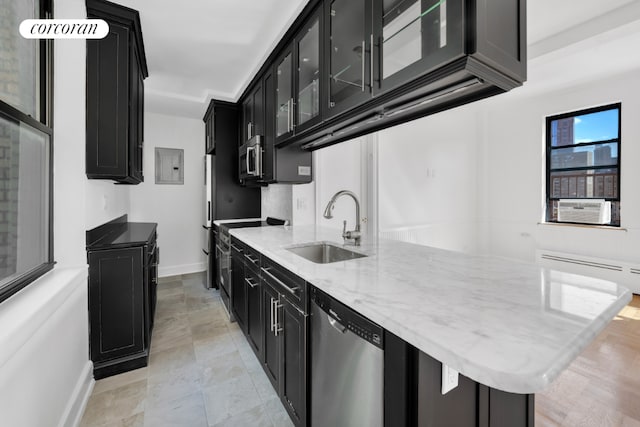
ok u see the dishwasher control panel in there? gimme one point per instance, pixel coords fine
(347, 318)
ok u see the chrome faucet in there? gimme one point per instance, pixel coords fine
(354, 235)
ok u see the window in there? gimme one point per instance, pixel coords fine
(25, 149)
(583, 158)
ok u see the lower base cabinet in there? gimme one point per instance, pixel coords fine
(122, 300)
(238, 289)
(254, 310)
(271, 352)
(274, 313)
(293, 381)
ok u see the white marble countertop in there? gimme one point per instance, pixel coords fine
(510, 325)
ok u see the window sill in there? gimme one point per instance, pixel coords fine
(589, 226)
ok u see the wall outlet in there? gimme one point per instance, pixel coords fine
(449, 379)
(301, 204)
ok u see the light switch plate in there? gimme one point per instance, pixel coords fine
(449, 379)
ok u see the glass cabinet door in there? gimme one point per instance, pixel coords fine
(414, 37)
(308, 75)
(284, 96)
(349, 38)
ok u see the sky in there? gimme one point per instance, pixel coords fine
(596, 126)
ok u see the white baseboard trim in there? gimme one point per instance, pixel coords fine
(174, 270)
(78, 401)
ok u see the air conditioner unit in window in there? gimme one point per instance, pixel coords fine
(593, 211)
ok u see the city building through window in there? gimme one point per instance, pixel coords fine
(583, 158)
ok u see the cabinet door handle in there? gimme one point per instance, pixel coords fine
(249, 171)
(250, 258)
(363, 63)
(372, 62)
(250, 282)
(293, 117)
(277, 329)
(272, 315)
(288, 115)
(235, 248)
(293, 291)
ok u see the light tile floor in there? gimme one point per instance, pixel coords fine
(201, 371)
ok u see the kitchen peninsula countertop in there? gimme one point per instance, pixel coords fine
(510, 325)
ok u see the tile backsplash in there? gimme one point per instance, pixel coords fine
(276, 201)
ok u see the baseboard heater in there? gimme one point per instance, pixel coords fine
(627, 274)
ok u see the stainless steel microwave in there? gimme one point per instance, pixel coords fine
(250, 158)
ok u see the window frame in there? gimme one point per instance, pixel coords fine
(44, 125)
(549, 148)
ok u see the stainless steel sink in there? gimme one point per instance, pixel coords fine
(324, 252)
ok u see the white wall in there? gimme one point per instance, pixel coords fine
(45, 375)
(338, 167)
(515, 173)
(427, 175)
(178, 209)
(303, 197)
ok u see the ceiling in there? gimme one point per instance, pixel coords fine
(203, 49)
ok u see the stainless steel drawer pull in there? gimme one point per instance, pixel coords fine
(277, 329)
(272, 315)
(235, 248)
(250, 258)
(293, 291)
(250, 282)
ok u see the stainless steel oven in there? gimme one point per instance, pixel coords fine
(250, 158)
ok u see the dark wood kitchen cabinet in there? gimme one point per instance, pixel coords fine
(252, 114)
(348, 29)
(116, 69)
(238, 287)
(284, 95)
(229, 198)
(280, 165)
(123, 259)
(210, 129)
(254, 299)
(285, 340)
(346, 68)
(298, 83)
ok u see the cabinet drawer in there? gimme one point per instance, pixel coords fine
(292, 287)
(252, 259)
(237, 247)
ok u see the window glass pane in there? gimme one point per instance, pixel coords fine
(587, 184)
(583, 156)
(24, 199)
(600, 126)
(19, 75)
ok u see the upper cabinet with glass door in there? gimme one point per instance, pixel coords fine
(349, 35)
(413, 37)
(298, 83)
(284, 96)
(308, 71)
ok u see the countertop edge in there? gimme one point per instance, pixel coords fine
(522, 383)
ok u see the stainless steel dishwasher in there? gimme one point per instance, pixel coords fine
(347, 366)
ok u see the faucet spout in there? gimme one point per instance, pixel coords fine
(346, 235)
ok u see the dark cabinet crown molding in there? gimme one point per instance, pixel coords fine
(126, 16)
